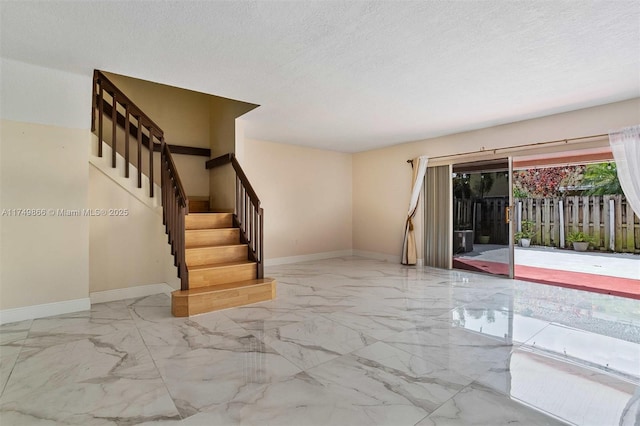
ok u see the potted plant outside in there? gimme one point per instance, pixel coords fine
(579, 240)
(526, 233)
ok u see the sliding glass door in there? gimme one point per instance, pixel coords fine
(482, 234)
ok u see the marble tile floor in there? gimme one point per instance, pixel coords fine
(348, 341)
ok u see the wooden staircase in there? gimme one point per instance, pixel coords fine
(218, 256)
(221, 273)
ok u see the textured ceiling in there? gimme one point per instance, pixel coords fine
(350, 76)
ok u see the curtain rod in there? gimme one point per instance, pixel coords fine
(495, 150)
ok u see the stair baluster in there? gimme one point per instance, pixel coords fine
(127, 130)
(114, 133)
(139, 153)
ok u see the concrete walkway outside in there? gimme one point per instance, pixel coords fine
(610, 273)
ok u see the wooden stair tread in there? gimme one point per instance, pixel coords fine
(216, 246)
(208, 220)
(208, 245)
(209, 237)
(222, 287)
(221, 265)
(195, 231)
(210, 214)
(216, 254)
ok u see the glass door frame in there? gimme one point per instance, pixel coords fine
(510, 222)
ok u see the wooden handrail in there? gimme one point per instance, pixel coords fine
(231, 158)
(245, 182)
(248, 215)
(182, 195)
(219, 161)
(108, 85)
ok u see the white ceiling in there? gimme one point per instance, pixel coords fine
(350, 76)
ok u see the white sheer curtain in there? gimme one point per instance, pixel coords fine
(625, 145)
(409, 252)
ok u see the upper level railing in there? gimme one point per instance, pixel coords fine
(248, 216)
(134, 119)
(111, 103)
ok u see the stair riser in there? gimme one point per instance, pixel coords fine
(222, 275)
(198, 206)
(210, 255)
(209, 221)
(212, 237)
(182, 306)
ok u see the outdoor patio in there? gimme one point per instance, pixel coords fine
(609, 273)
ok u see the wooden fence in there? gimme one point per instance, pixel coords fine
(609, 219)
(484, 218)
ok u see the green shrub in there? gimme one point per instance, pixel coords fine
(580, 237)
(527, 231)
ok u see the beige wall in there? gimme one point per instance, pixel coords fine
(191, 119)
(381, 178)
(182, 114)
(43, 259)
(125, 251)
(222, 120)
(184, 118)
(306, 194)
(381, 191)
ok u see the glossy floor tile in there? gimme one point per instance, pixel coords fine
(348, 341)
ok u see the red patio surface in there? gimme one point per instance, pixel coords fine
(616, 286)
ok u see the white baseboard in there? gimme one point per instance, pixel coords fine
(129, 293)
(331, 254)
(307, 257)
(44, 310)
(378, 256)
